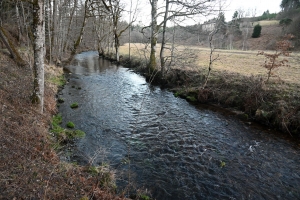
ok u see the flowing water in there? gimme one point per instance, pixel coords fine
(176, 150)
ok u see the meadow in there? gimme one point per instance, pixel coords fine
(245, 63)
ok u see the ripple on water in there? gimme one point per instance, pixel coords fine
(176, 150)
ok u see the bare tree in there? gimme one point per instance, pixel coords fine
(163, 42)
(244, 26)
(79, 37)
(253, 12)
(70, 24)
(53, 27)
(10, 47)
(184, 9)
(39, 52)
(212, 58)
(116, 11)
(153, 38)
(131, 19)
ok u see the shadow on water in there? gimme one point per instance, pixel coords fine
(177, 151)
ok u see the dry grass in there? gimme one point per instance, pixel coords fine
(248, 64)
(267, 22)
(245, 63)
(138, 50)
(29, 167)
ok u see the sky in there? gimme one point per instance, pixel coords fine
(260, 5)
(229, 7)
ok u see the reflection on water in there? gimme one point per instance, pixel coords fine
(88, 63)
(176, 150)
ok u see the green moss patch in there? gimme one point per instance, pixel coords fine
(58, 80)
(74, 105)
(70, 125)
(57, 119)
(79, 134)
(64, 135)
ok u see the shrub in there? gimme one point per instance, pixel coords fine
(285, 21)
(272, 59)
(256, 31)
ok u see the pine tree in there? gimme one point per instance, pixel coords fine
(256, 31)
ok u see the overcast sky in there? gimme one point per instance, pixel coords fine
(260, 5)
(229, 7)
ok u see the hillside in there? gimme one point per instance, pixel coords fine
(267, 41)
(270, 34)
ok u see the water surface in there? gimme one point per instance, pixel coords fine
(176, 151)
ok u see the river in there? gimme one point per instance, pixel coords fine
(176, 150)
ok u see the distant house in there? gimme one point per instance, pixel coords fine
(209, 25)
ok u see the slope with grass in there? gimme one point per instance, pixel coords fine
(30, 168)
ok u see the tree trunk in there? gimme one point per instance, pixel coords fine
(54, 28)
(163, 42)
(129, 35)
(173, 46)
(246, 37)
(79, 39)
(152, 63)
(69, 25)
(18, 22)
(14, 53)
(108, 39)
(116, 41)
(49, 30)
(39, 51)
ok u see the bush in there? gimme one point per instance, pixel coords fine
(285, 21)
(256, 31)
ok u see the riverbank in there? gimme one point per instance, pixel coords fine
(274, 104)
(30, 168)
(171, 148)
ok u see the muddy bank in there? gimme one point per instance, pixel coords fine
(274, 104)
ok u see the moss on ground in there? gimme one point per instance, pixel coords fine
(74, 105)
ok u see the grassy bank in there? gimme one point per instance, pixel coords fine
(30, 168)
(237, 82)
